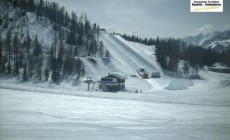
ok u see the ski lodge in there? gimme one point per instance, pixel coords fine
(113, 82)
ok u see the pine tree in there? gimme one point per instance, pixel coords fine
(161, 53)
(73, 29)
(107, 54)
(101, 49)
(46, 74)
(53, 65)
(31, 6)
(61, 19)
(8, 48)
(60, 54)
(16, 3)
(195, 58)
(54, 61)
(78, 67)
(16, 54)
(1, 52)
(186, 68)
(37, 57)
(37, 48)
(66, 20)
(6, 20)
(24, 74)
(40, 8)
(173, 54)
(29, 60)
(23, 5)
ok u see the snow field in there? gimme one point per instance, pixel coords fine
(32, 115)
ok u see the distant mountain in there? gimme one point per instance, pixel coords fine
(215, 40)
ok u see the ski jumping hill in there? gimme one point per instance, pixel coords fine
(126, 57)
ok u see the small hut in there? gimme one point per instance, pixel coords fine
(156, 75)
(113, 82)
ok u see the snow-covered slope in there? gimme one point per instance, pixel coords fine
(30, 24)
(126, 57)
(216, 40)
(130, 56)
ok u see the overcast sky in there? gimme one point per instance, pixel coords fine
(150, 18)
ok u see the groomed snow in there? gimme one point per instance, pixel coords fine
(32, 115)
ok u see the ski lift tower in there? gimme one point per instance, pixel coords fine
(89, 80)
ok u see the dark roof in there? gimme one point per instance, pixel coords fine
(117, 75)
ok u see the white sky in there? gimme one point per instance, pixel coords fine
(150, 18)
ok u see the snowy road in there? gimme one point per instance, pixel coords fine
(31, 115)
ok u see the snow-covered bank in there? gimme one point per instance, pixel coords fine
(31, 115)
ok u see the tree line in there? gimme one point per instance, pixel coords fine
(133, 38)
(170, 51)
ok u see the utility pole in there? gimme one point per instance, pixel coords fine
(89, 81)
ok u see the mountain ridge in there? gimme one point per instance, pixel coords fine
(219, 40)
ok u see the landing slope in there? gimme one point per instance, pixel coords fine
(130, 56)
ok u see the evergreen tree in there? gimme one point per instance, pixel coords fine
(16, 47)
(195, 58)
(101, 49)
(1, 52)
(66, 19)
(173, 54)
(61, 17)
(31, 6)
(40, 8)
(37, 51)
(78, 67)
(68, 61)
(53, 65)
(73, 29)
(37, 58)
(46, 74)
(54, 62)
(186, 68)
(25, 75)
(29, 60)
(16, 3)
(161, 53)
(107, 54)
(60, 54)
(23, 5)
(8, 49)
(6, 20)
